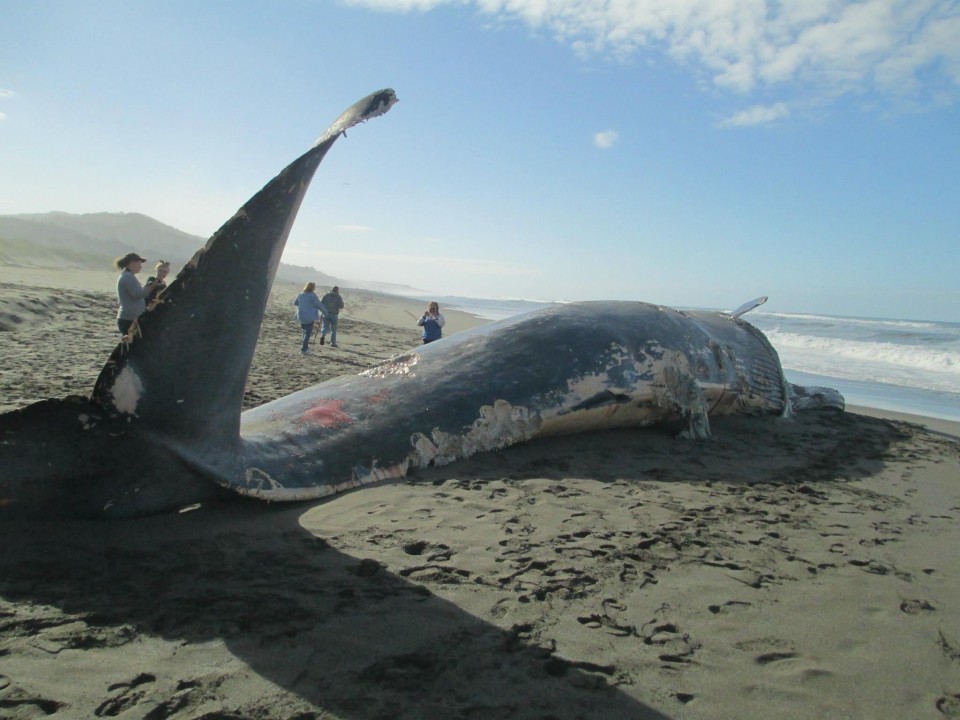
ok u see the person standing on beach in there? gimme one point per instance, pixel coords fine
(130, 293)
(308, 312)
(162, 270)
(432, 323)
(332, 305)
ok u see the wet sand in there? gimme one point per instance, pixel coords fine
(800, 568)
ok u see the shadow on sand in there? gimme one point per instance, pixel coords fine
(336, 635)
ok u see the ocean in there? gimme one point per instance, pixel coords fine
(910, 366)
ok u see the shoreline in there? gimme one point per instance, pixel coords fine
(947, 428)
(893, 398)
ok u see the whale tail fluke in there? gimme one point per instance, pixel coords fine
(814, 397)
(164, 415)
(184, 365)
(747, 307)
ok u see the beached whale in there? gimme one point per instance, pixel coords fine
(163, 427)
(564, 369)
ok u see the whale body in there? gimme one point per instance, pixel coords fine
(163, 426)
(571, 368)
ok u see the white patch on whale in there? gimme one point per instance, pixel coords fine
(399, 366)
(126, 391)
(498, 426)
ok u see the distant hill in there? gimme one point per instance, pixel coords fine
(93, 240)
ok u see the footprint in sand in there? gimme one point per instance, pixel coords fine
(25, 706)
(596, 622)
(435, 552)
(878, 568)
(949, 649)
(728, 606)
(127, 697)
(949, 705)
(438, 574)
(772, 657)
(676, 646)
(608, 619)
(915, 607)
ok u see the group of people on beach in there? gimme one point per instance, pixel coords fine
(134, 299)
(312, 309)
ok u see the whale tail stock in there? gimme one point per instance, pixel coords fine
(169, 397)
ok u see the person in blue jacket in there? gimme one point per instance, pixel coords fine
(308, 312)
(432, 323)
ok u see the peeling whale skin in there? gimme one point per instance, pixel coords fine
(162, 428)
(570, 368)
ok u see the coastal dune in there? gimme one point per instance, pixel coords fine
(797, 568)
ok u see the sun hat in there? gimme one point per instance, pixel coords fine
(122, 262)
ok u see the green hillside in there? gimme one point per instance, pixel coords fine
(92, 241)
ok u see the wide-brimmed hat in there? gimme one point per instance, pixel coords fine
(129, 258)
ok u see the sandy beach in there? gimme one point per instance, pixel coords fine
(788, 568)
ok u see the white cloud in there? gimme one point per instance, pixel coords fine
(605, 140)
(353, 228)
(403, 5)
(829, 46)
(757, 115)
(5, 95)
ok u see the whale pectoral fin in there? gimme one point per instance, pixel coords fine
(814, 397)
(698, 424)
(687, 397)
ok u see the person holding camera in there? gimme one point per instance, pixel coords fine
(432, 323)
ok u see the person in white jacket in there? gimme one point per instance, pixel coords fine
(432, 323)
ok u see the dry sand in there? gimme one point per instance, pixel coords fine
(801, 568)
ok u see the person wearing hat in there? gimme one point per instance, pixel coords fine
(130, 293)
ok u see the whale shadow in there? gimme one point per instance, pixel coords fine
(334, 633)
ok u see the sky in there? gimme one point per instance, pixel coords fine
(692, 153)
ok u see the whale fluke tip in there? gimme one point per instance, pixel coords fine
(373, 105)
(747, 307)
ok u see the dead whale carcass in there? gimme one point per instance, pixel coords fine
(163, 426)
(570, 368)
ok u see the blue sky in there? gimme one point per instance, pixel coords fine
(684, 152)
